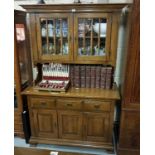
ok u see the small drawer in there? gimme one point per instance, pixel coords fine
(48, 103)
(69, 104)
(95, 105)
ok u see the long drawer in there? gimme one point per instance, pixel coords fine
(96, 105)
(38, 102)
(69, 104)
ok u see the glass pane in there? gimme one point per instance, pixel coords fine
(92, 36)
(22, 52)
(54, 36)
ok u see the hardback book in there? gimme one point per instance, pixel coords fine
(98, 76)
(93, 76)
(109, 75)
(83, 76)
(103, 77)
(77, 76)
(88, 74)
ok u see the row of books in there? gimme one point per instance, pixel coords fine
(91, 76)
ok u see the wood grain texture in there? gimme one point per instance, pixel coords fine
(72, 12)
(129, 140)
(131, 92)
(71, 121)
(21, 51)
(70, 124)
(77, 93)
(78, 8)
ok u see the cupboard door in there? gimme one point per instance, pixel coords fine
(45, 123)
(96, 126)
(92, 37)
(70, 125)
(54, 36)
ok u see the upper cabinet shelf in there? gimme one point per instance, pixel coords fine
(84, 34)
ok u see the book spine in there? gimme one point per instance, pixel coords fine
(83, 76)
(88, 72)
(72, 75)
(77, 76)
(109, 78)
(93, 77)
(103, 77)
(98, 76)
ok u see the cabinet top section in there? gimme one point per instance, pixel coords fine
(78, 93)
(75, 7)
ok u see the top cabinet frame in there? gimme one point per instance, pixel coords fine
(72, 12)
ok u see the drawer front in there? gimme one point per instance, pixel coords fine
(48, 103)
(69, 104)
(95, 105)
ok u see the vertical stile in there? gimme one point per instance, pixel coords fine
(91, 44)
(99, 35)
(61, 37)
(47, 41)
(84, 37)
(54, 23)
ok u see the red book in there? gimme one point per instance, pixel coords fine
(72, 75)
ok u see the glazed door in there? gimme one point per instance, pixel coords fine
(92, 37)
(54, 36)
(70, 125)
(45, 123)
(96, 126)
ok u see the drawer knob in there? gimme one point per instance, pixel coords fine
(69, 105)
(97, 106)
(43, 103)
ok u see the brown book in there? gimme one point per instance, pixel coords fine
(109, 73)
(93, 76)
(98, 76)
(88, 74)
(103, 77)
(77, 76)
(83, 76)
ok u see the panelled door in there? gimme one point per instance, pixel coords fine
(96, 126)
(54, 36)
(70, 124)
(92, 37)
(45, 123)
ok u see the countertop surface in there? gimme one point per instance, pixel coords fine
(77, 92)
